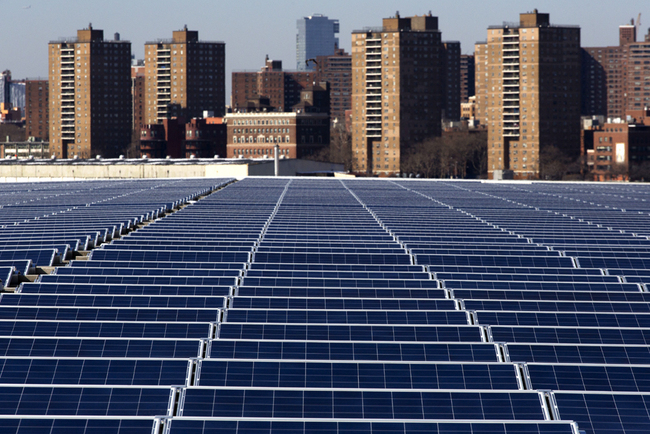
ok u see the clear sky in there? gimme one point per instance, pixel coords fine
(252, 29)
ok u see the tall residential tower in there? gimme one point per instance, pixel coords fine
(184, 77)
(533, 93)
(90, 95)
(396, 91)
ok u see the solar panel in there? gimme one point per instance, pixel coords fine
(606, 412)
(350, 332)
(84, 401)
(571, 353)
(89, 347)
(361, 404)
(386, 351)
(175, 330)
(115, 372)
(204, 426)
(597, 378)
(355, 375)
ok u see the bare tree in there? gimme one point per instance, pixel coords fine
(339, 150)
(453, 155)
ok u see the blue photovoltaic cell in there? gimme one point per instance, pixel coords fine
(590, 378)
(600, 413)
(80, 288)
(345, 317)
(356, 375)
(180, 302)
(408, 351)
(562, 319)
(339, 292)
(172, 330)
(351, 332)
(141, 280)
(571, 335)
(340, 303)
(70, 347)
(196, 426)
(116, 372)
(109, 314)
(350, 404)
(83, 401)
(598, 354)
(497, 294)
(63, 425)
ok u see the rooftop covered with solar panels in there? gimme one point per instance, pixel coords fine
(280, 304)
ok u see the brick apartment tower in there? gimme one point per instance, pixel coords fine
(37, 113)
(533, 93)
(467, 77)
(336, 69)
(481, 80)
(137, 91)
(396, 91)
(90, 95)
(282, 88)
(184, 77)
(451, 75)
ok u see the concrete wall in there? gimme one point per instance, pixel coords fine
(58, 170)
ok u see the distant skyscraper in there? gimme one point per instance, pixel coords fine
(533, 93)
(397, 93)
(316, 37)
(5, 87)
(184, 77)
(90, 95)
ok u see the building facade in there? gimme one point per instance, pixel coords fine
(451, 76)
(37, 114)
(301, 132)
(467, 77)
(336, 70)
(90, 95)
(282, 88)
(620, 146)
(396, 91)
(481, 80)
(184, 77)
(138, 94)
(176, 138)
(616, 79)
(316, 37)
(533, 94)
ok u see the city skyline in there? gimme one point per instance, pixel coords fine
(269, 29)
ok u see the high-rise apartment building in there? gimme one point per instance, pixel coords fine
(467, 77)
(616, 79)
(138, 94)
(184, 77)
(396, 91)
(336, 69)
(533, 93)
(316, 37)
(481, 80)
(37, 110)
(450, 74)
(90, 95)
(282, 88)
